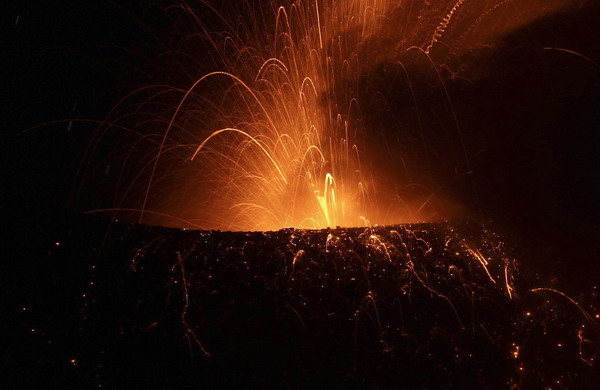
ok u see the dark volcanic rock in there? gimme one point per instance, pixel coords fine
(442, 305)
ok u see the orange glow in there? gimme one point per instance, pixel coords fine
(270, 133)
(286, 154)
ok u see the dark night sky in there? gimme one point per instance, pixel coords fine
(65, 60)
(539, 171)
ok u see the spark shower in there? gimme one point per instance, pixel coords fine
(274, 126)
(273, 134)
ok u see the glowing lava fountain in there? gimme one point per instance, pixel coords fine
(272, 133)
(271, 136)
(284, 152)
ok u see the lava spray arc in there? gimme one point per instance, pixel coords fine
(272, 134)
(286, 152)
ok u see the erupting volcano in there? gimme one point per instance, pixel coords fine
(313, 193)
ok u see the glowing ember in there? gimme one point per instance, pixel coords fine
(395, 306)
